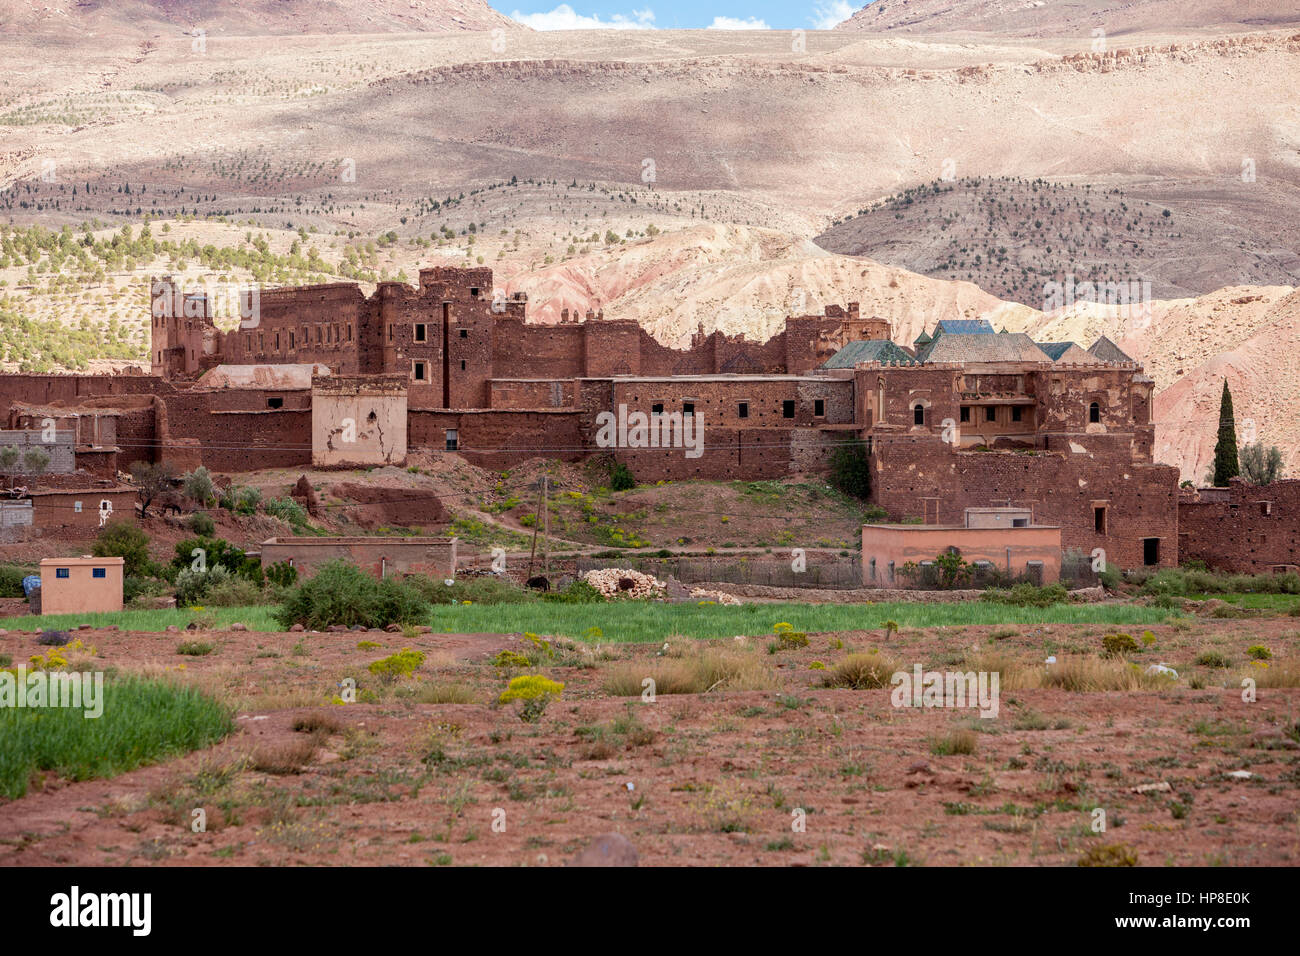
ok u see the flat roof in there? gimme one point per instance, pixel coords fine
(84, 560)
(959, 527)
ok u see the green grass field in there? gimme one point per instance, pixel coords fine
(634, 621)
(142, 721)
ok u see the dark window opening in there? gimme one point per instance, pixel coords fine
(1016, 413)
(787, 409)
(462, 365)
(60, 572)
(420, 335)
(464, 333)
(1094, 412)
(918, 415)
(965, 413)
(473, 292)
(742, 410)
(688, 409)
(99, 572)
(419, 371)
(291, 340)
(657, 408)
(819, 407)
(275, 403)
(990, 413)
(1099, 520)
(1150, 551)
(1020, 522)
(453, 439)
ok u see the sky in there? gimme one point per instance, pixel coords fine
(679, 14)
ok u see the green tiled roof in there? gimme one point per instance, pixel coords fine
(868, 350)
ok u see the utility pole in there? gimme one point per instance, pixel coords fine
(541, 488)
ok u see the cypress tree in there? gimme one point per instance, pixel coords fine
(1226, 464)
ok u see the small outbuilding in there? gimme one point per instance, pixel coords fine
(81, 585)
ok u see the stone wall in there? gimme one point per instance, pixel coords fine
(1247, 529)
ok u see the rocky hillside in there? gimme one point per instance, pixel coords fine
(1038, 18)
(249, 17)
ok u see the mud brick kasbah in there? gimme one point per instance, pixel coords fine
(966, 417)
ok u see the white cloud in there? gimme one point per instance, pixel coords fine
(832, 13)
(731, 23)
(564, 17)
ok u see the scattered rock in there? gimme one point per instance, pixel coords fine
(608, 849)
(394, 628)
(1241, 775)
(239, 626)
(1162, 669)
(1161, 787)
(296, 628)
(336, 628)
(919, 767)
(173, 629)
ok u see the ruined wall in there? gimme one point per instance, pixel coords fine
(920, 476)
(378, 556)
(1250, 529)
(358, 421)
(499, 439)
(393, 507)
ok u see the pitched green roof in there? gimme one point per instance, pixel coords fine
(868, 350)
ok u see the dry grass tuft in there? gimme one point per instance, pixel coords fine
(862, 672)
(694, 671)
(318, 722)
(284, 758)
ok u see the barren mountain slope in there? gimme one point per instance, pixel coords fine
(1044, 17)
(1019, 238)
(743, 281)
(249, 17)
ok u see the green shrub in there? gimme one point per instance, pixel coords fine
(396, 666)
(11, 580)
(621, 477)
(124, 539)
(1114, 854)
(286, 509)
(1029, 595)
(533, 692)
(282, 574)
(341, 593)
(1259, 652)
(195, 648)
(192, 586)
(141, 587)
(201, 523)
(850, 469)
(579, 592)
(1213, 659)
(1117, 645)
(476, 590)
(233, 592)
(198, 486)
(504, 658)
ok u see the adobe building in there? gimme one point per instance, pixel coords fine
(1001, 538)
(964, 418)
(84, 585)
(81, 510)
(1244, 528)
(379, 556)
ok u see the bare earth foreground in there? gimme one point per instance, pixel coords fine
(715, 778)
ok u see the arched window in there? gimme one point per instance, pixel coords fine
(918, 415)
(1094, 412)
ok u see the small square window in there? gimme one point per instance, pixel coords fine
(657, 408)
(965, 413)
(688, 409)
(1016, 413)
(787, 408)
(275, 403)
(99, 572)
(420, 332)
(464, 333)
(76, 507)
(61, 572)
